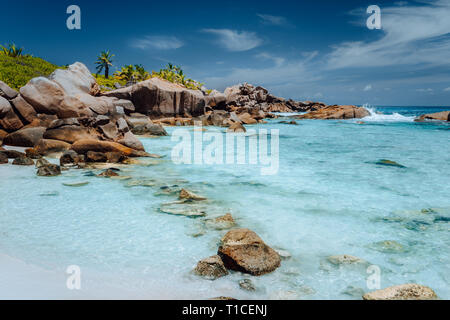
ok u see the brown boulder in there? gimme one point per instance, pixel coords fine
(162, 98)
(402, 292)
(336, 112)
(247, 118)
(28, 137)
(85, 145)
(3, 158)
(71, 134)
(49, 170)
(211, 268)
(12, 154)
(440, 116)
(110, 131)
(70, 158)
(23, 161)
(131, 141)
(8, 118)
(93, 156)
(24, 108)
(47, 146)
(237, 127)
(3, 134)
(7, 92)
(242, 250)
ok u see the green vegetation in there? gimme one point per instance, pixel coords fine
(17, 69)
(132, 74)
(108, 83)
(11, 51)
(175, 74)
(104, 61)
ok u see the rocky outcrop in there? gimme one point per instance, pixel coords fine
(402, 292)
(27, 137)
(243, 250)
(336, 113)
(211, 268)
(345, 259)
(439, 116)
(157, 98)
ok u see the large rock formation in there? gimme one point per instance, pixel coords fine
(440, 116)
(157, 97)
(63, 109)
(242, 250)
(402, 292)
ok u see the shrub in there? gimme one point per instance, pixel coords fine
(17, 71)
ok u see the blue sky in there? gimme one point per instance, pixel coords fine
(306, 50)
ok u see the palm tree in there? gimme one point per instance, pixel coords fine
(104, 61)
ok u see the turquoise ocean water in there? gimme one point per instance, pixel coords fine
(329, 197)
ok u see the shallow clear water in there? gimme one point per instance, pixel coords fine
(329, 197)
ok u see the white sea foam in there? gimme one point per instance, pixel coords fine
(376, 116)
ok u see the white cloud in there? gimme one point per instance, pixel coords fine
(266, 56)
(273, 20)
(368, 87)
(425, 90)
(157, 42)
(233, 40)
(413, 35)
(447, 89)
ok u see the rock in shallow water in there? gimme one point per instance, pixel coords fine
(345, 259)
(221, 223)
(187, 195)
(389, 163)
(211, 268)
(23, 161)
(49, 170)
(243, 250)
(402, 292)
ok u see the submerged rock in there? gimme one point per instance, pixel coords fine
(243, 250)
(389, 163)
(345, 260)
(211, 268)
(182, 209)
(76, 184)
(221, 223)
(403, 292)
(247, 285)
(387, 246)
(108, 173)
(187, 195)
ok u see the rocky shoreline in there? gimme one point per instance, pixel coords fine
(67, 115)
